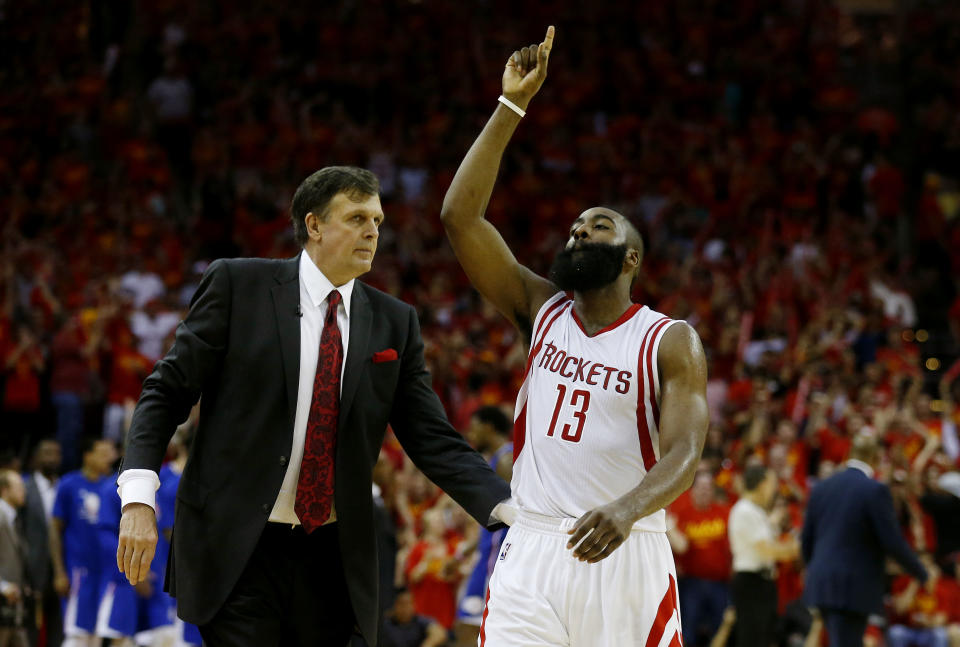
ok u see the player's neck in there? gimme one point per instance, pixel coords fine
(597, 309)
(90, 474)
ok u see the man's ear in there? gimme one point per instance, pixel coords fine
(633, 258)
(314, 226)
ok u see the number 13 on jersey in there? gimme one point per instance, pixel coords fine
(580, 401)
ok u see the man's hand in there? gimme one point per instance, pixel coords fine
(10, 591)
(611, 526)
(138, 541)
(61, 584)
(526, 71)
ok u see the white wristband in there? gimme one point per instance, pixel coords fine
(510, 104)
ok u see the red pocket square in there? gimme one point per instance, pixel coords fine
(388, 355)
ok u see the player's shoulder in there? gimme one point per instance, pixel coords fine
(679, 341)
(657, 323)
(680, 330)
(70, 480)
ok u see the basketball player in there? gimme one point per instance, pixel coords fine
(129, 615)
(74, 544)
(489, 433)
(609, 423)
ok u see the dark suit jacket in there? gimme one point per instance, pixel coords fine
(849, 528)
(239, 347)
(35, 531)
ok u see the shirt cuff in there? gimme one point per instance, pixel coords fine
(504, 512)
(138, 486)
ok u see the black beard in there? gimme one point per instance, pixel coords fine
(596, 265)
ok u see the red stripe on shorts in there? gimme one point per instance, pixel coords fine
(483, 621)
(668, 606)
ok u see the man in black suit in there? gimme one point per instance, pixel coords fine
(849, 528)
(41, 485)
(300, 368)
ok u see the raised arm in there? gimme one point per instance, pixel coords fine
(683, 430)
(513, 289)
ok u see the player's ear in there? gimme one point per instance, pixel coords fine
(632, 259)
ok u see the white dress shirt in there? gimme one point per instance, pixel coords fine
(860, 465)
(314, 290)
(48, 493)
(140, 486)
(748, 525)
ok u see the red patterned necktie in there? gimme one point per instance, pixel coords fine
(315, 484)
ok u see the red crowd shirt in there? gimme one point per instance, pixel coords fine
(433, 596)
(127, 373)
(944, 598)
(708, 555)
(22, 388)
(834, 447)
(909, 442)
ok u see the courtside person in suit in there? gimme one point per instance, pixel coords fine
(15, 606)
(849, 529)
(300, 368)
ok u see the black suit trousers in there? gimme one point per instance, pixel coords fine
(754, 597)
(292, 593)
(845, 628)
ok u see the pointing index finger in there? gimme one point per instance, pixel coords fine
(548, 39)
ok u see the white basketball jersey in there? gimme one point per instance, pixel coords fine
(585, 424)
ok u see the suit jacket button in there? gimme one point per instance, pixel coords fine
(283, 460)
(266, 508)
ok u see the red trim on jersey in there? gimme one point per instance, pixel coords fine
(650, 360)
(519, 432)
(668, 606)
(629, 312)
(643, 429)
(546, 315)
(677, 641)
(483, 621)
(520, 424)
(546, 331)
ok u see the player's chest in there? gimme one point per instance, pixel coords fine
(585, 393)
(609, 367)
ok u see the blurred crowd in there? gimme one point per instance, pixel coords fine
(794, 166)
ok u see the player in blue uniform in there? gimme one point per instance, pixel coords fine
(186, 633)
(74, 544)
(130, 614)
(144, 613)
(489, 433)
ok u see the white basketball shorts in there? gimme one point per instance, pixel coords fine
(540, 595)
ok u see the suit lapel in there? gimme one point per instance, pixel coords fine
(286, 306)
(358, 353)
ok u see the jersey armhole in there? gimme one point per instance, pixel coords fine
(656, 356)
(545, 309)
